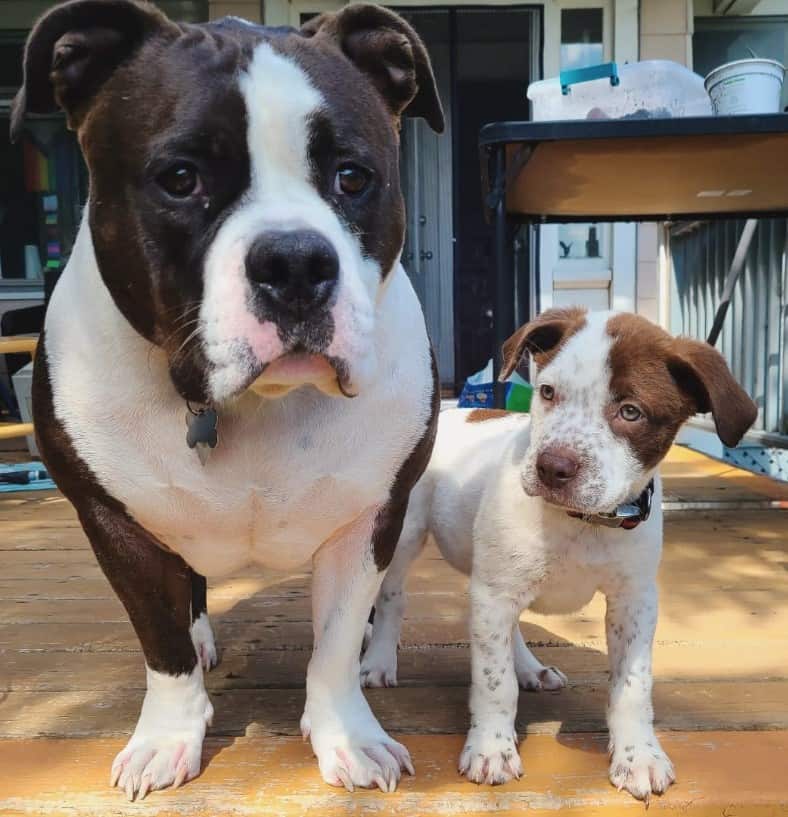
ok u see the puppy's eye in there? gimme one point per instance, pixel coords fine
(181, 180)
(630, 413)
(547, 392)
(351, 180)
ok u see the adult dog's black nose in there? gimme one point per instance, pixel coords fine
(556, 467)
(295, 271)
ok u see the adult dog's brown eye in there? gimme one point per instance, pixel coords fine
(351, 180)
(547, 392)
(630, 413)
(181, 180)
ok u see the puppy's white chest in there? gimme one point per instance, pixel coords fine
(566, 587)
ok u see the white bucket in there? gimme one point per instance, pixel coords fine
(746, 86)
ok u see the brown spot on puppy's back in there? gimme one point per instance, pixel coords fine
(479, 415)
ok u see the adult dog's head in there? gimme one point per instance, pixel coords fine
(610, 394)
(245, 205)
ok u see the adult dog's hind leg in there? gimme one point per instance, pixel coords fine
(201, 631)
(379, 663)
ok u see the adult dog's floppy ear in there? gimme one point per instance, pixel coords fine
(703, 375)
(540, 337)
(389, 51)
(73, 49)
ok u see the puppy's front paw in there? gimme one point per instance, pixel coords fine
(490, 757)
(641, 769)
(550, 679)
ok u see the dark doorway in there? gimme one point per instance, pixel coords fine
(484, 59)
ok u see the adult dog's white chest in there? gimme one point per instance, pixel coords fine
(286, 473)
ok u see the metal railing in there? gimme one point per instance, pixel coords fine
(755, 332)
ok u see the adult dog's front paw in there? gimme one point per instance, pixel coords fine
(642, 769)
(166, 747)
(351, 747)
(151, 763)
(490, 757)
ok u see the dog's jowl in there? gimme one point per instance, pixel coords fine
(239, 255)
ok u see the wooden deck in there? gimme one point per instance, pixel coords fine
(71, 678)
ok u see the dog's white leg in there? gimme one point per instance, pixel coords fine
(379, 663)
(166, 747)
(532, 674)
(204, 642)
(490, 754)
(351, 747)
(638, 763)
(201, 631)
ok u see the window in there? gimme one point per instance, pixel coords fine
(582, 44)
(43, 180)
(43, 187)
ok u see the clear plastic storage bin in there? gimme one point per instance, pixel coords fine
(639, 90)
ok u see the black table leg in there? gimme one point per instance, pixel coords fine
(503, 313)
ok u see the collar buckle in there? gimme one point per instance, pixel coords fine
(627, 516)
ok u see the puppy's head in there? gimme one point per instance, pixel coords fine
(245, 207)
(610, 394)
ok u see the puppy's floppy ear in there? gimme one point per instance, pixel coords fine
(703, 375)
(389, 51)
(73, 49)
(540, 337)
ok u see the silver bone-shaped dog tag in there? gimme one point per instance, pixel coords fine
(201, 434)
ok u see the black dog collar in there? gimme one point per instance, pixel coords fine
(627, 516)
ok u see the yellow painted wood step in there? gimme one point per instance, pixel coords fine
(719, 773)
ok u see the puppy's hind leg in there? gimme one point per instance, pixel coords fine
(379, 664)
(532, 674)
(201, 631)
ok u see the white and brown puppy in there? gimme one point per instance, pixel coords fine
(544, 510)
(239, 256)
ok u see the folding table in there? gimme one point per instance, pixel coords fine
(625, 170)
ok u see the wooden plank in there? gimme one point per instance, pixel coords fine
(18, 344)
(739, 775)
(418, 666)
(737, 615)
(9, 431)
(581, 708)
(691, 476)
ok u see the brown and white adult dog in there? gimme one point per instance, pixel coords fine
(239, 255)
(525, 505)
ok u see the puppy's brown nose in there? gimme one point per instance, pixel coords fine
(556, 467)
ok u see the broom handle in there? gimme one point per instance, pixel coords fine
(737, 265)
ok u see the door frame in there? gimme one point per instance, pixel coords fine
(620, 29)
